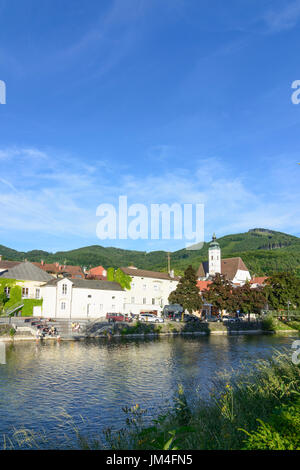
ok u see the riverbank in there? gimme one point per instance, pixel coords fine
(257, 410)
(139, 329)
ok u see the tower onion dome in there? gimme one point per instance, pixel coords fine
(214, 245)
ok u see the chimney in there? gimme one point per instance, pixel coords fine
(42, 262)
(0, 257)
(172, 273)
(57, 264)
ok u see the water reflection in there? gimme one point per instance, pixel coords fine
(96, 379)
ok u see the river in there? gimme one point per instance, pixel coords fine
(49, 387)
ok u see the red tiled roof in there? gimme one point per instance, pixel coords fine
(98, 271)
(259, 280)
(8, 264)
(56, 268)
(202, 285)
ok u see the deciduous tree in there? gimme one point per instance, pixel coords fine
(187, 293)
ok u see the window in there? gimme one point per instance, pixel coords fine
(155, 287)
(25, 292)
(144, 286)
(63, 305)
(37, 293)
(101, 308)
(153, 301)
(144, 300)
(113, 308)
(132, 300)
(64, 289)
(7, 291)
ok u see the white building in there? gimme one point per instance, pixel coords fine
(149, 290)
(234, 269)
(81, 298)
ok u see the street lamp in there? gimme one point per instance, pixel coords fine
(288, 304)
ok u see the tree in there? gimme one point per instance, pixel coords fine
(123, 279)
(119, 276)
(219, 293)
(187, 293)
(110, 274)
(282, 288)
(247, 299)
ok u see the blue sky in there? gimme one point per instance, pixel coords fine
(182, 101)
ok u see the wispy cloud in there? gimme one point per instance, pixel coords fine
(46, 193)
(283, 19)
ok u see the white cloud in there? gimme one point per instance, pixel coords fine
(283, 19)
(47, 193)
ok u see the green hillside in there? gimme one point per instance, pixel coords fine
(264, 251)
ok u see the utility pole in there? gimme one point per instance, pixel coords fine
(169, 262)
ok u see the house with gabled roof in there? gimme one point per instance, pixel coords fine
(234, 269)
(97, 273)
(27, 276)
(81, 298)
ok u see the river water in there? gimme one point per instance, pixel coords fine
(49, 387)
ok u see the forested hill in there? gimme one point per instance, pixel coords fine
(264, 251)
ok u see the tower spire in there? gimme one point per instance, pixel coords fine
(214, 257)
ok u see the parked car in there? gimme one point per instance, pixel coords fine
(149, 317)
(113, 317)
(213, 318)
(228, 319)
(185, 317)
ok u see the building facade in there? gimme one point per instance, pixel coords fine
(149, 291)
(81, 298)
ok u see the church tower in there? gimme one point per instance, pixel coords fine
(214, 257)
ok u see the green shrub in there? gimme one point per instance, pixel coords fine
(268, 323)
(281, 432)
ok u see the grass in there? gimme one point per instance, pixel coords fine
(270, 323)
(295, 325)
(258, 410)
